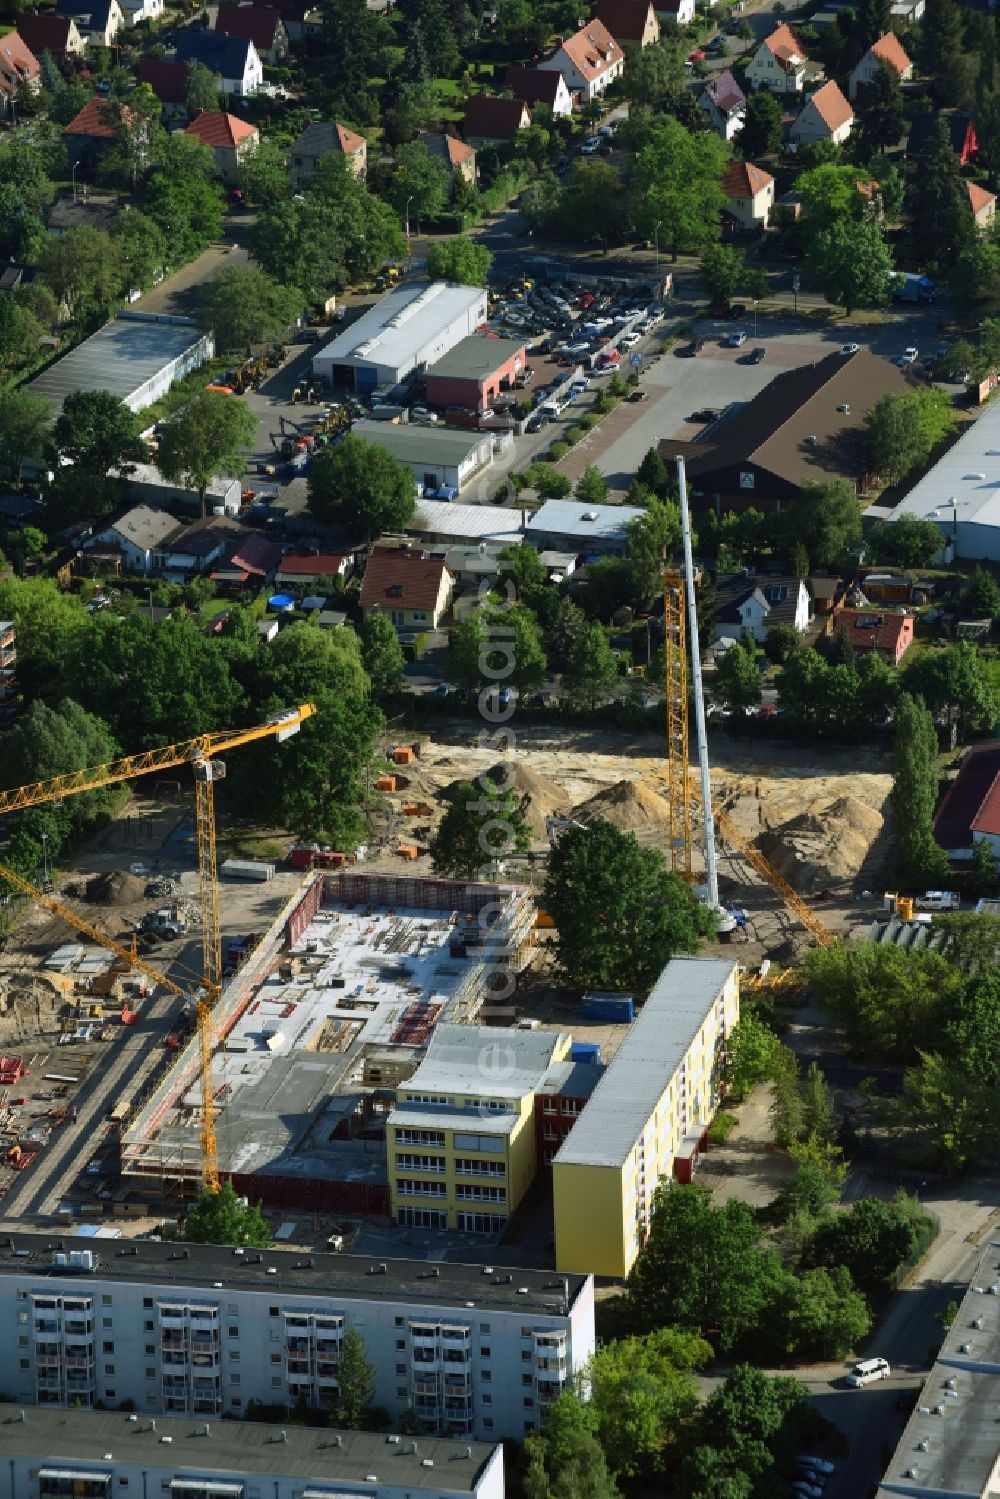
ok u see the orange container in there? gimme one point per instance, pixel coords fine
(385, 783)
(411, 809)
(406, 851)
(402, 755)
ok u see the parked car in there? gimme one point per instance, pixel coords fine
(736, 340)
(705, 414)
(637, 395)
(868, 1371)
(688, 351)
(909, 356)
(850, 349)
(628, 341)
(757, 355)
(820, 1464)
(591, 145)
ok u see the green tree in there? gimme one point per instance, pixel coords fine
(263, 175)
(820, 1314)
(98, 432)
(188, 207)
(141, 249)
(567, 1461)
(137, 134)
(591, 487)
(493, 648)
(948, 1114)
(871, 1240)
(202, 89)
(981, 595)
(852, 262)
(220, 1217)
(421, 185)
(243, 306)
(829, 195)
(972, 1027)
(676, 182)
(703, 1267)
(910, 541)
(50, 741)
(761, 133)
(592, 669)
(904, 430)
(783, 640)
(460, 259)
(20, 334)
(483, 826)
(953, 684)
(655, 74)
(746, 1420)
(82, 269)
(820, 1114)
(984, 869)
(362, 487)
(204, 439)
(942, 52)
(564, 629)
(737, 683)
(355, 1382)
(722, 267)
(940, 222)
(751, 1052)
(643, 1394)
(825, 521)
(382, 654)
(889, 1001)
(882, 116)
(650, 537)
(619, 911)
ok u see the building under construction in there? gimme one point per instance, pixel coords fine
(331, 1008)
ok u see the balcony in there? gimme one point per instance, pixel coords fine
(556, 1366)
(299, 1366)
(326, 1375)
(79, 1361)
(49, 1382)
(297, 1345)
(329, 1347)
(426, 1387)
(46, 1326)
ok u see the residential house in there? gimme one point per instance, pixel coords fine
(169, 82)
(259, 24)
(136, 11)
(825, 593)
(908, 12)
(313, 569)
(16, 273)
(230, 140)
(749, 194)
(631, 22)
(321, 139)
(969, 807)
(725, 103)
(826, 116)
(459, 158)
(982, 205)
(192, 549)
(489, 119)
(540, 86)
(961, 133)
(19, 68)
(299, 18)
(589, 61)
(47, 32)
(872, 632)
(98, 21)
(234, 58)
(750, 606)
(888, 53)
(138, 534)
(779, 63)
(413, 590)
(679, 12)
(91, 131)
(248, 564)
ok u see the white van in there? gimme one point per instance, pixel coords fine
(939, 900)
(551, 409)
(869, 1371)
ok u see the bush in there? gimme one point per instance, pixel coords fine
(574, 434)
(603, 403)
(588, 422)
(558, 450)
(721, 1128)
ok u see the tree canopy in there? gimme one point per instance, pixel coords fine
(361, 487)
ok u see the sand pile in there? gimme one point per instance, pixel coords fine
(538, 796)
(116, 889)
(825, 846)
(629, 805)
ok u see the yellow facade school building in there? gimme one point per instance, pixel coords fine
(461, 1139)
(646, 1120)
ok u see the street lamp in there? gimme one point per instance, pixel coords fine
(755, 319)
(406, 215)
(45, 857)
(75, 165)
(656, 242)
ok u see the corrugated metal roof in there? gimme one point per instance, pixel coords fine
(398, 328)
(120, 357)
(646, 1060)
(477, 522)
(583, 522)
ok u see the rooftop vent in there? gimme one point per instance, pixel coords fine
(109, 1457)
(812, 439)
(393, 1441)
(923, 1445)
(589, 515)
(427, 1462)
(166, 1441)
(522, 1290)
(912, 1472)
(133, 1417)
(468, 1451)
(845, 408)
(973, 476)
(487, 1269)
(951, 1383)
(371, 1478)
(977, 1322)
(965, 1348)
(939, 1410)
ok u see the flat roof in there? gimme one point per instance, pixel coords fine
(443, 1285)
(966, 478)
(586, 522)
(412, 443)
(477, 522)
(105, 1440)
(494, 1061)
(396, 330)
(655, 1045)
(120, 357)
(475, 357)
(955, 1413)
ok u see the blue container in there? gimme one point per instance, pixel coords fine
(585, 1051)
(613, 1009)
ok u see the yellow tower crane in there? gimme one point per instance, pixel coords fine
(202, 754)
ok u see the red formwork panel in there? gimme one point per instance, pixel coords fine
(316, 1195)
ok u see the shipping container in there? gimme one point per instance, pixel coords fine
(247, 869)
(402, 755)
(616, 1009)
(385, 783)
(585, 1051)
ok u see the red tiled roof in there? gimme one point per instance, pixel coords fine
(987, 819)
(625, 19)
(350, 141)
(979, 198)
(592, 50)
(253, 23)
(966, 796)
(534, 85)
(255, 554)
(889, 51)
(18, 64)
(44, 33)
(168, 80)
(400, 578)
(884, 635)
(742, 179)
(500, 118)
(90, 121)
(213, 127)
(312, 565)
(784, 45)
(831, 106)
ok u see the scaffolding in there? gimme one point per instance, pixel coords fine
(676, 686)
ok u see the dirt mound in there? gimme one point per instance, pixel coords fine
(116, 889)
(538, 796)
(824, 846)
(629, 805)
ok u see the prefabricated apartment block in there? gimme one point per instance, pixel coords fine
(191, 1329)
(648, 1117)
(47, 1454)
(355, 964)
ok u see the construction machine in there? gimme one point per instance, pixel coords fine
(203, 754)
